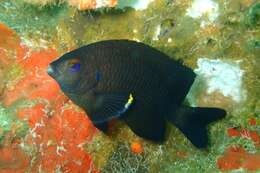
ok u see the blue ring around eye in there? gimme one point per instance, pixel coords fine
(98, 76)
(75, 67)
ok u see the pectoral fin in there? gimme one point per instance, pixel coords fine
(109, 106)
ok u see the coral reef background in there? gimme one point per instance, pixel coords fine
(43, 131)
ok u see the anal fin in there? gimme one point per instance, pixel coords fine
(146, 123)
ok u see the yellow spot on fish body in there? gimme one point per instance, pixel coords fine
(129, 101)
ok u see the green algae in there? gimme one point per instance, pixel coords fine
(32, 21)
(13, 74)
(189, 159)
(100, 149)
(253, 15)
(102, 146)
(14, 71)
(122, 159)
(10, 124)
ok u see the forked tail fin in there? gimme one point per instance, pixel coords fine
(193, 121)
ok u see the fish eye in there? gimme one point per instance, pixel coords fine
(74, 66)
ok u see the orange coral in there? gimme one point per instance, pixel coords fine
(237, 157)
(37, 84)
(57, 133)
(92, 4)
(13, 159)
(8, 38)
(245, 133)
(233, 132)
(252, 121)
(39, 59)
(87, 4)
(32, 115)
(137, 148)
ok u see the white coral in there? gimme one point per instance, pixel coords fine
(225, 77)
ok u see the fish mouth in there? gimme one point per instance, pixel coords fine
(50, 71)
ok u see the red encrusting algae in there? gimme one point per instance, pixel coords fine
(13, 160)
(8, 39)
(236, 158)
(252, 122)
(233, 132)
(61, 139)
(58, 131)
(245, 133)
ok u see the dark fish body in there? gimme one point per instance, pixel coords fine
(133, 82)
